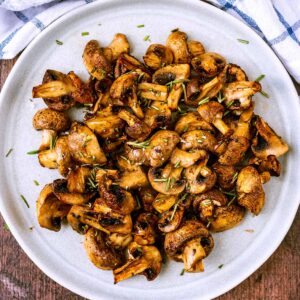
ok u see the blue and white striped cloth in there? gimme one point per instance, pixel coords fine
(276, 21)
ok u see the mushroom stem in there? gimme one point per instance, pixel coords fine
(193, 255)
(222, 127)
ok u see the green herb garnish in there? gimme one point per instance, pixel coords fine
(221, 266)
(243, 41)
(220, 97)
(176, 205)
(160, 179)
(140, 26)
(85, 33)
(204, 100)
(25, 201)
(259, 78)
(59, 42)
(144, 144)
(33, 152)
(125, 158)
(52, 142)
(36, 182)
(265, 94)
(182, 272)
(177, 165)
(147, 38)
(234, 178)
(5, 226)
(9, 152)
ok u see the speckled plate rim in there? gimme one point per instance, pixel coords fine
(266, 251)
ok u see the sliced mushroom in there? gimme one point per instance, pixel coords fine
(84, 146)
(95, 61)
(119, 45)
(235, 73)
(153, 91)
(60, 189)
(157, 115)
(177, 42)
(168, 180)
(249, 189)
(136, 128)
(164, 202)
(195, 48)
(199, 178)
(99, 253)
(106, 124)
(180, 245)
(270, 165)
(192, 121)
(144, 232)
(212, 112)
(50, 211)
(175, 76)
(225, 175)
(114, 196)
(77, 180)
(226, 217)
(118, 240)
(147, 196)
(48, 139)
(208, 64)
(238, 94)
(144, 260)
(158, 56)
(186, 159)
(170, 220)
(267, 142)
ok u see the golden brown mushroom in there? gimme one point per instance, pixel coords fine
(164, 202)
(235, 73)
(226, 175)
(187, 158)
(144, 230)
(77, 180)
(195, 48)
(177, 42)
(153, 91)
(144, 260)
(171, 220)
(158, 56)
(158, 114)
(118, 45)
(50, 211)
(99, 253)
(249, 189)
(119, 240)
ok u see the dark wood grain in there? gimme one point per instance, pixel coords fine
(278, 278)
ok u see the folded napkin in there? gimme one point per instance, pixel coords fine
(276, 21)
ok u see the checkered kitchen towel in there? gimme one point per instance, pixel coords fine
(277, 21)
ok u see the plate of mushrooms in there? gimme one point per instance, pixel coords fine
(156, 139)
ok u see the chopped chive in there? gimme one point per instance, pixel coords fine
(220, 98)
(184, 91)
(9, 152)
(25, 201)
(204, 100)
(138, 202)
(177, 164)
(125, 158)
(85, 33)
(168, 184)
(5, 226)
(52, 142)
(144, 144)
(154, 107)
(147, 38)
(59, 42)
(182, 272)
(259, 78)
(229, 194)
(176, 205)
(31, 228)
(234, 177)
(226, 113)
(140, 26)
(265, 94)
(33, 152)
(160, 179)
(208, 224)
(230, 202)
(229, 104)
(249, 230)
(243, 41)
(36, 182)
(221, 266)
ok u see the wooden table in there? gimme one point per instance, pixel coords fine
(277, 279)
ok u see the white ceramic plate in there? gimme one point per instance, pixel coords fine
(61, 255)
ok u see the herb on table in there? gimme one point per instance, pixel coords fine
(31, 228)
(249, 230)
(140, 26)
(221, 266)
(85, 33)
(36, 182)
(25, 201)
(243, 41)
(59, 42)
(9, 152)
(147, 38)
(182, 272)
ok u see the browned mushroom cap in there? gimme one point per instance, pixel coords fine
(170, 220)
(177, 42)
(249, 188)
(157, 115)
(212, 112)
(100, 254)
(114, 196)
(147, 196)
(195, 48)
(270, 165)
(106, 124)
(118, 45)
(168, 180)
(118, 240)
(84, 146)
(226, 217)
(208, 64)
(144, 260)
(59, 103)
(205, 203)
(175, 76)
(235, 151)
(188, 240)
(136, 128)
(60, 189)
(267, 142)
(235, 73)
(187, 158)
(164, 202)
(50, 210)
(47, 118)
(225, 175)
(198, 139)
(144, 230)
(95, 61)
(192, 121)
(158, 56)
(77, 180)
(199, 178)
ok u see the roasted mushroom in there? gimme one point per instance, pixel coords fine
(195, 48)
(118, 45)
(50, 211)
(226, 175)
(177, 42)
(249, 189)
(144, 230)
(187, 158)
(99, 253)
(164, 202)
(158, 56)
(144, 260)
(158, 115)
(170, 220)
